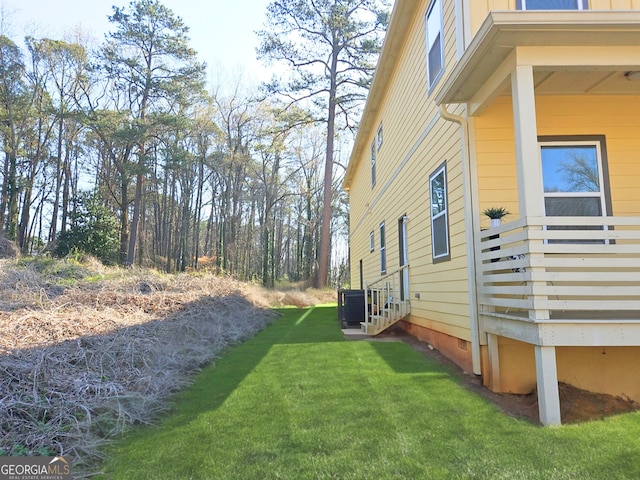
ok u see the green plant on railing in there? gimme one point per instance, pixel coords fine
(496, 213)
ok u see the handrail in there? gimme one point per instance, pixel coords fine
(385, 302)
(387, 275)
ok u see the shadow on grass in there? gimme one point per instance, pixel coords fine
(215, 384)
(296, 326)
(391, 353)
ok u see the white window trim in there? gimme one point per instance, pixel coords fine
(602, 194)
(383, 248)
(445, 213)
(579, 143)
(373, 164)
(372, 241)
(436, 78)
(379, 136)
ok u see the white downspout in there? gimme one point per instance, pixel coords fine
(469, 234)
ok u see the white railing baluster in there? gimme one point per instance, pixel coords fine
(383, 304)
(577, 267)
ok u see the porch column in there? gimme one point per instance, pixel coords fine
(547, 380)
(526, 135)
(529, 169)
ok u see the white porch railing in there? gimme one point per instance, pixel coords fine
(386, 301)
(561, 267)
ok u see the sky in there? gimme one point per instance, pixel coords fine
(221, 31)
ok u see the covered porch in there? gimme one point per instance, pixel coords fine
(565, 272)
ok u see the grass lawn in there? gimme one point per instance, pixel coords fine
(300, 402)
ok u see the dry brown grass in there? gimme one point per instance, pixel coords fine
(80, 361)
(8, 249)
(294, 297)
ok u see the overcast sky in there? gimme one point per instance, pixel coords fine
(222, 31)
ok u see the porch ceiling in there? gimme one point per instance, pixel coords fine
(574, 36)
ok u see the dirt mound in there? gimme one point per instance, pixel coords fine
(8, 249)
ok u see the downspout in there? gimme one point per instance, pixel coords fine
(469, 234)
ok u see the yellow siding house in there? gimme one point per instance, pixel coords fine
(528, 105)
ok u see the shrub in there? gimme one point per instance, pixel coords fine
(94, 231)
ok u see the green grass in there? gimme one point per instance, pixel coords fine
(300, 402)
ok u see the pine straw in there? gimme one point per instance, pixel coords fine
(78, 366)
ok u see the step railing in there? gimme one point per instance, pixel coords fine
(386, 301)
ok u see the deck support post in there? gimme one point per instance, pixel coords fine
(494, 361)
(547, 380)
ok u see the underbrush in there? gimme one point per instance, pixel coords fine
(87, 351)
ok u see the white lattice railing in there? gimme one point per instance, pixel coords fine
(573, 267)
(386, 301)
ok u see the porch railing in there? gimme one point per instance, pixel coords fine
(386, 301)
(562, 267)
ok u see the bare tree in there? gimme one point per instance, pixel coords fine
(332, 46)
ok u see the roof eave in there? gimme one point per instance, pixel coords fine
(395, 38)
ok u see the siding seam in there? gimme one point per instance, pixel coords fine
(397, 171)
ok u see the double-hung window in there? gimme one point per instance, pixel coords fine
(439, 214)
(383, 250)
(435, 43)
(373, 164)
(552, 4)
(574, 177)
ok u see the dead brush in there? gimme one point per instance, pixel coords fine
(80, 366)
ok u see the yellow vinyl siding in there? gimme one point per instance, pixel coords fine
(416, 142)
(616, 117)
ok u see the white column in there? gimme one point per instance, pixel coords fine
(529, 168)
(547, 380)
(526, 135)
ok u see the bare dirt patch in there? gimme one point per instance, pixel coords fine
(82, 359)
(576, 405)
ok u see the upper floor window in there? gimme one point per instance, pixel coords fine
(379, 136)
(372, 242)
(373, 164)
(435, 42)
(552, 4)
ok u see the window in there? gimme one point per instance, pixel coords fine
(379, 136)
(383, 250)
(439, 215)
(435, 43)
(373, 164)
(372, 242)
(552, 4)
(574, 177)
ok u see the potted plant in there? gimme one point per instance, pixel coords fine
(495, 214)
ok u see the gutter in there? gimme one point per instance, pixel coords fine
(470, 229)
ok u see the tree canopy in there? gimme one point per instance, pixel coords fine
(120, 151)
